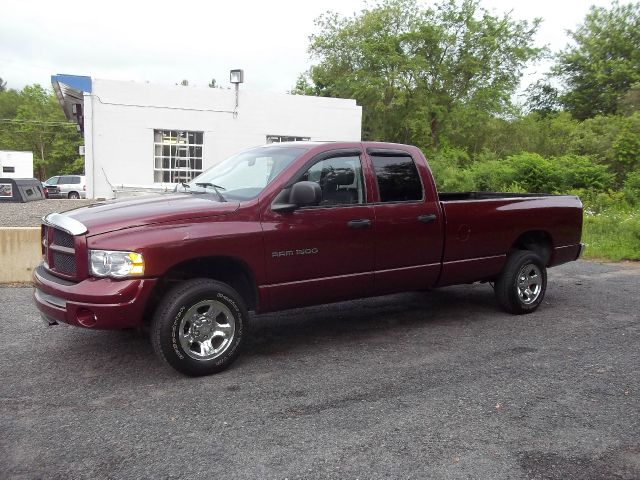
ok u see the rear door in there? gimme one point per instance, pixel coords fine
(408, 223)
(64, 183)
(322, 253)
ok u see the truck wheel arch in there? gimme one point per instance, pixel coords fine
(232, 271)
(537, 241)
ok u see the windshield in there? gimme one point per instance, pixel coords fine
(245, 175)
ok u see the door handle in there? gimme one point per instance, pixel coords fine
(427, 218)
(360, 223)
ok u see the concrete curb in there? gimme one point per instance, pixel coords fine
(20, 253)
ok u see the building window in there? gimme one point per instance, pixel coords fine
(8, 169)
(177, 155)
(283, 138)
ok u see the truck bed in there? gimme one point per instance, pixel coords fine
(481, 227)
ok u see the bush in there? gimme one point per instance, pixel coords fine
(534, 172)
(631, 188)
(451, 178)
(493, 175)
(573, 171)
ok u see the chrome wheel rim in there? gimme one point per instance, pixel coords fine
(529, 283)
(206, 330)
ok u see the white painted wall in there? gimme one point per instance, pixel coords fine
(120, 118)
(22, 163)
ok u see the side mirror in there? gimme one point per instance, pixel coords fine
(302, 194)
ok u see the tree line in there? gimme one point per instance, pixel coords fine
(445, 78)
(31, 120)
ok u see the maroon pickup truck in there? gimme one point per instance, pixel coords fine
(289, 225)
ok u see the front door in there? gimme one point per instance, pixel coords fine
(322, 253)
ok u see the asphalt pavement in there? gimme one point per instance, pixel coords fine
(420, 385)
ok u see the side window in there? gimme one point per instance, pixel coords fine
(64, 180)
(75, 180)
(398, 178)
(52, 181)
(340, 180)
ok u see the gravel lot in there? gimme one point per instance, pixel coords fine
(30, 214)
(421, 385)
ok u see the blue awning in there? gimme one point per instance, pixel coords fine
(69, 90)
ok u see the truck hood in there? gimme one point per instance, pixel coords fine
(149, 209)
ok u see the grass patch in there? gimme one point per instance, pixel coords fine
(612, 235)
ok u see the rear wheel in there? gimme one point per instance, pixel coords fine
(522, 283)
(74, 195)
(199, 327)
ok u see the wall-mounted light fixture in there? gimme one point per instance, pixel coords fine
(236, 77)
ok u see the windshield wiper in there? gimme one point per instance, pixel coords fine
(217, 189)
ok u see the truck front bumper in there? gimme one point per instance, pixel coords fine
(98, 303)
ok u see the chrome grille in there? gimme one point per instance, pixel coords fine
(63, 246)
(65, 264)
(63, 238)
(59, 251)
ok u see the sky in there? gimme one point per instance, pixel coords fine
(163, 42)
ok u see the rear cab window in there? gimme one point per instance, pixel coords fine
(397, 177)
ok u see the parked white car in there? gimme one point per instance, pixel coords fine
(67, 186)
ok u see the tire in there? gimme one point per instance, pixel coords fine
(74, 195)
(522, 283)
(198, 328)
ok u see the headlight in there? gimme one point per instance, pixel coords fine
(107, 263)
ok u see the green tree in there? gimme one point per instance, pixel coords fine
(416, 70)
(629, 102)
(32, 120)
(626, 146)
(303, 86)
(631, 187)
(9, 103)
(604, 61)
(543, 98)
(555, 134)
(35, 124)
(612, 140)
(3, 85)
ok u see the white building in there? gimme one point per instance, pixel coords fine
(16, 164)
(142, 134)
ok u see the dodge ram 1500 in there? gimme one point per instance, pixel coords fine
(288, 225)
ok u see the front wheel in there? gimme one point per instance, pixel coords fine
(522, 283)
(199, 327)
